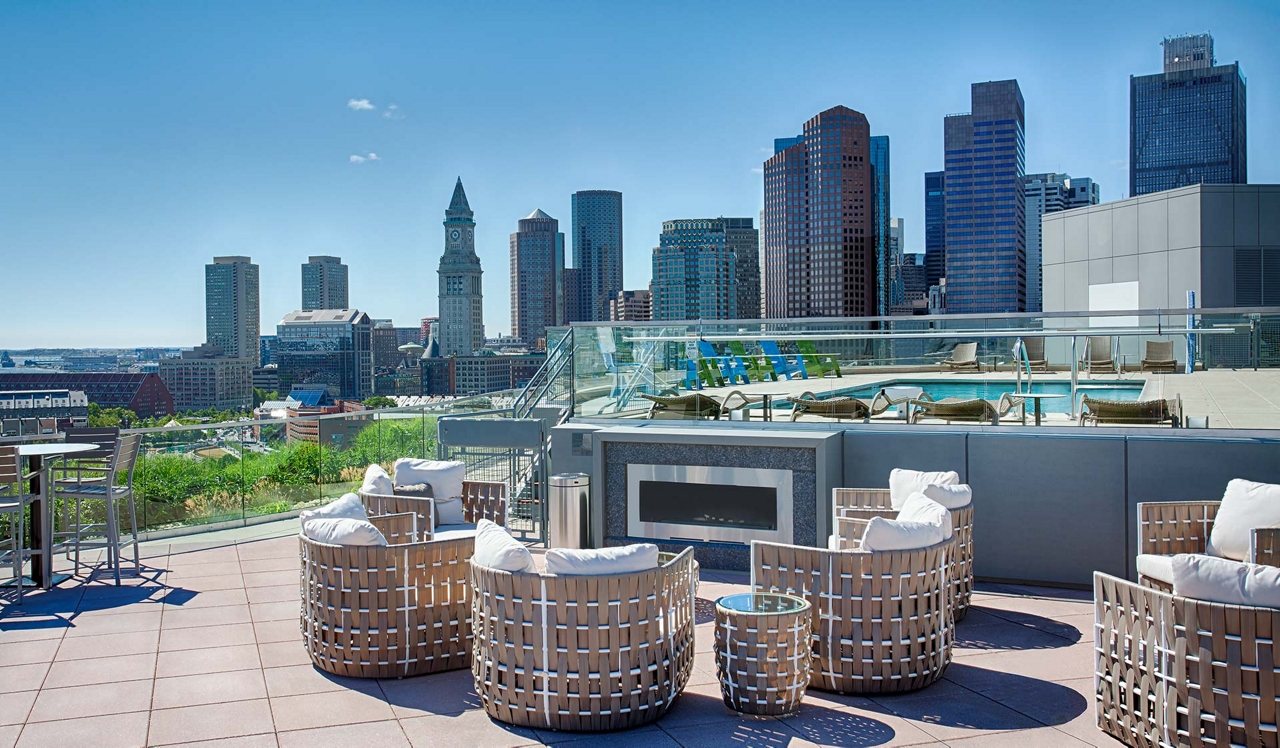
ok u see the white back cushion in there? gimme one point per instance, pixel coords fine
(903, 483)
(926, 523)
(496, 549)
(444, 477)
(1222, 580)
(1245, 505)
(348, 506)
(343, 531)
(377, 481)
(449, 511)
(952, 496)
(600, 561)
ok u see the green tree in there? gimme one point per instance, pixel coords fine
(260, 396)
(100, 417)
(379, 401)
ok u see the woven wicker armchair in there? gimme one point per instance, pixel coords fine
(1173, 671)
(854, 507)
(882, 622)
(1159, 357)
(480, 500)
(387, 611)
(583, 653)
(1170, 527)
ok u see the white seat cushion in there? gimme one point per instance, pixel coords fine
(952, 496)
(496, 549)
(1222, 580)
(903, 483)
(453, 532)
(922, 522)
(449, 511)
(444, 477)
(625, 559)
(834, 544)
(1155, 566)
(1245, 505)
(377, 481)
(349, 507)
(343, 531)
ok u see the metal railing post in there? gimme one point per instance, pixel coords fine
(1075, 375)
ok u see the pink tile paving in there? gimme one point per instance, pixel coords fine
(205, 650)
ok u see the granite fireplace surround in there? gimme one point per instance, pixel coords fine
(814, 459)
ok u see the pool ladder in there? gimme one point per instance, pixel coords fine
(1021, 360)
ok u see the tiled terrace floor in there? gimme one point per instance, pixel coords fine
(205, 651)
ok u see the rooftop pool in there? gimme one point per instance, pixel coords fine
(969, 389)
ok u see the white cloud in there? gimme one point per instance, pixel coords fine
(359, 104)
(373, 156)
(393, 112)
(757, 170)
(356, 158)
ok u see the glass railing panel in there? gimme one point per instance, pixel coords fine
(188, 476)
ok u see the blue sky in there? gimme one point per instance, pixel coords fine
(143, 138)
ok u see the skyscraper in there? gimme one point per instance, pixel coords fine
(1187, 124)
(743, 240)
(461, 295)
(332, 348)
(986, 230)
(597, 251)
(1049, 193)
(935, 227)
(819, 228)
(537, 277)
(881, 210)
(231, 306)
(324, 283)
(693, 270)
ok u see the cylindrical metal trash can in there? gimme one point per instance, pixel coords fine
(569, 514)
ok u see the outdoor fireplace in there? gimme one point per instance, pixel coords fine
(701, 503)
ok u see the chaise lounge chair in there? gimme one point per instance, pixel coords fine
(977, 410)
(1095, 411)
(839, 408)
(1034, 348)
(1097, 355)
(671, 404)
(964, 357)
(1159, 357)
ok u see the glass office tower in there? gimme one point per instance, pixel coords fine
(985, 210)
(597, 253)
(935, 226)
(1187, 124)
(880, 208)
(694, 273)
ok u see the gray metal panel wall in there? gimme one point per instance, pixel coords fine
(869, 456)
(1048, 508)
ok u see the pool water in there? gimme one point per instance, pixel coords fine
(1129, 390)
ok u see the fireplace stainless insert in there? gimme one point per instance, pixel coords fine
(694, 502)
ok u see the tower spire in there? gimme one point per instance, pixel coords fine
(459, 202)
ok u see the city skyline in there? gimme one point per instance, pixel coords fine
(136, 180)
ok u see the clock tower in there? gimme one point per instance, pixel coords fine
(461, 297)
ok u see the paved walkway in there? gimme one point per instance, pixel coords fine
(205, 650)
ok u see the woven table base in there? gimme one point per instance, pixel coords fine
(763, 660)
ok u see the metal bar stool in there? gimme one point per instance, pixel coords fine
(103, 484)
(14, 500)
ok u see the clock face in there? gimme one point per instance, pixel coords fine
(468, 234)
(454, 235)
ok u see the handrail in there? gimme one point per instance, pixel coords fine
(518, 407)
(643, 367)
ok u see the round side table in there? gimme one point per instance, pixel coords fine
(763, 652)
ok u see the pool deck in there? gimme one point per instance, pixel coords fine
(1231, 398)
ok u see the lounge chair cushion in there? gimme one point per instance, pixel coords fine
(348, 507)
(952, 496)
(1222, 580)
(343, 531)
(496, 549)
(376, 481)
(626, 559)
(1245, 505)
(449, 511)
(922, 522)
(444, 477)
(1155, 566)
(454, 531)
(417, 491)
(903, 483)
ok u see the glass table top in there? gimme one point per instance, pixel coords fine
(762, 602)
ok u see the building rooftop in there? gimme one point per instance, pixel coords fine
(206, 647)
(323, 316)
